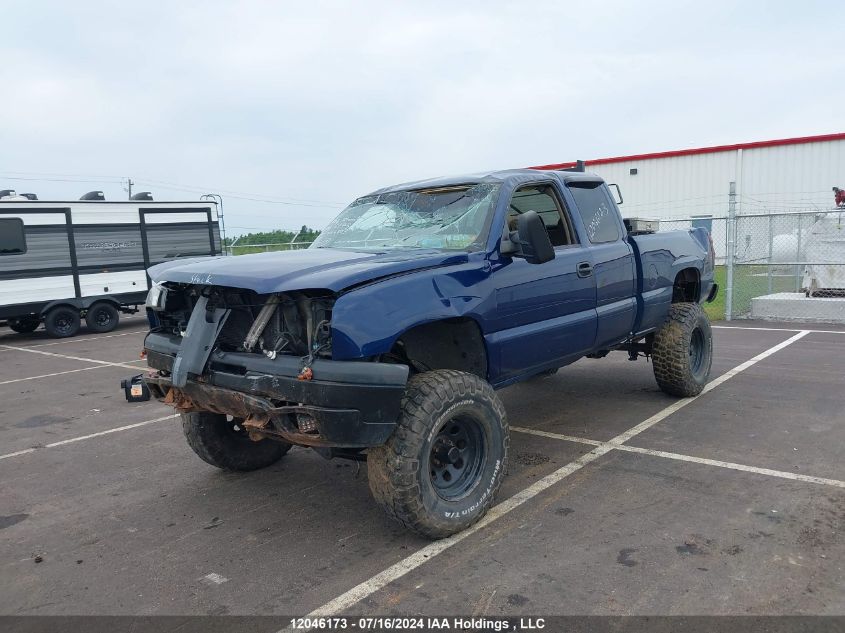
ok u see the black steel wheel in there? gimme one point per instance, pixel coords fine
(440, 470)
(62, 322)
(456, 457)
(102, 317)
(24, 325)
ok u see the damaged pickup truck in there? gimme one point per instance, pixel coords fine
(386, 339)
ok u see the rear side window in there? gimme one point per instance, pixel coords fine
(594, 206)
(12, 237)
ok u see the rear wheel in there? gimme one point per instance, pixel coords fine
(62, 322)
(440, 470)
(102, 317)
(222, 442)
(24, 325)
(683, 351)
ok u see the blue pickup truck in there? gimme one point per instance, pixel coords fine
(386, 339)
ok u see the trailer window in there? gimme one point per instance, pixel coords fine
(600, 220)
(12, 237)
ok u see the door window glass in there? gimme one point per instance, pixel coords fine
(542, 199)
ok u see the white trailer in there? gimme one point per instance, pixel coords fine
(64, 261)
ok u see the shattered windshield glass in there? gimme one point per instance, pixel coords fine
(453, 218)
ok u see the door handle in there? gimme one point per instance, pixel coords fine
(585, 269)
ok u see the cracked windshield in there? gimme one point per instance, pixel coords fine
(452, 218)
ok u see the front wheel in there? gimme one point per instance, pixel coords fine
(683, 351)
(440, 470)
(222, 442)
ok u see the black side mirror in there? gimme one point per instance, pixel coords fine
(533, 240)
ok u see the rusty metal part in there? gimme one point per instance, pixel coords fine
(255, 426)
(261, 418)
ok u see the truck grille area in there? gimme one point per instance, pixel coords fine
(296, 323)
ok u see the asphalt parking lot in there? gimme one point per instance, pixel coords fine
(619, 500)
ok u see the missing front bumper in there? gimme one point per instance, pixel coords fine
(347, 404)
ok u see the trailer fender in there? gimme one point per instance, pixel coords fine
(81, 303)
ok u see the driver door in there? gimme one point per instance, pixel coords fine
(545, 313)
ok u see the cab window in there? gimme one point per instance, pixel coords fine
(599, 217)
(543, 200)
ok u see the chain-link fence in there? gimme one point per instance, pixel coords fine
(246, 249)
(783, 266)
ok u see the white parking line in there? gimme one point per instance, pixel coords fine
(90, 338)
(79, 358)
(16, 453)
(680, 404)
(109, 431)
(83, 339)
(782, 474)
(408, 564)
(89, 436)
(382, 579)
(774, 329)
(58, 373)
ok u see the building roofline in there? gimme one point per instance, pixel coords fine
(798, 140)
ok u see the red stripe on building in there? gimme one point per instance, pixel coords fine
(799, 140)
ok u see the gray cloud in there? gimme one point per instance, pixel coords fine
(325, 101)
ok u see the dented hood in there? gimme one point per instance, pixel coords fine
(325, 268)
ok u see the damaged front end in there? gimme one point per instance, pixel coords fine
(266, 360)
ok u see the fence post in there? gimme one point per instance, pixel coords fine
(771, 250)
(798, 269)
(729, 255)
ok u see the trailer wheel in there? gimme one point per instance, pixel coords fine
(440, 470)
(24, 325)
(102, 317)
(62, 322)
(219, 440)
(683, 351)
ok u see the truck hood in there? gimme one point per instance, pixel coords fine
(324, 268)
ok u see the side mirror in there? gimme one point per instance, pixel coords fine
(533, 240)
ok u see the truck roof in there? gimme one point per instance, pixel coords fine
(502, 176)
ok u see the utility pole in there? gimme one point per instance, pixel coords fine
(129, 184)
(731, 251)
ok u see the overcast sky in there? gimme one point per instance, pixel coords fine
(315, 103)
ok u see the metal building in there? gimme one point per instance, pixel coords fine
(783, 175)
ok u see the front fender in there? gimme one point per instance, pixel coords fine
(368, 320)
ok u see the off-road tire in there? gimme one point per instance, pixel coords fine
(24, 325)
(102, 317)
(400, 472)
(678, 368)
(62, 322)
(213, 437)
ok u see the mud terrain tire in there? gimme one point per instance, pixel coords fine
(683, 351)
(440, 470)
(219, 442)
